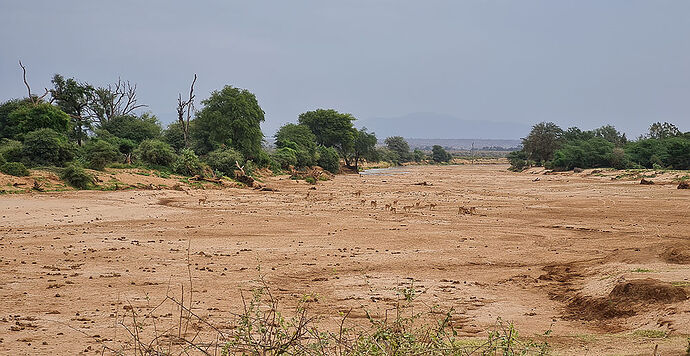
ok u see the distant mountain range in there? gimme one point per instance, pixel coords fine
(459, 144)
(439, 126)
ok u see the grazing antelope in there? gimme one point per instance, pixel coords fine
(202, 200)
(393, 210)
(358, 193)
(407, 208)
(363, 201)
(395, 202)
(416, 205)
(373, 204)
(432, 206)
(387, 207)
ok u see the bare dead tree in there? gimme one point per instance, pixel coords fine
(34, 99)
(184, 112)
(117, 99)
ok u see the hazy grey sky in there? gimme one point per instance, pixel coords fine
(583, 63)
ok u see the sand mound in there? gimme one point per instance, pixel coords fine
(648, 290)
(677, 255)
(626, 299)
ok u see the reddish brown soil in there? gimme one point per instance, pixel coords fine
(538, 252)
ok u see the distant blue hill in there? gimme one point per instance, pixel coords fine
(439, 126)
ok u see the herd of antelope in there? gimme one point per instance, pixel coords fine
(393, 207)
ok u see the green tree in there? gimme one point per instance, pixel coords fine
(155, 152)
(224, 161)
(28, 118)
(135, 128)
(518, 160)
(74, 99)
(610, 134)
(230, 117)
(9, 128)
(595, 152)
(363, 148)
(46, 147)
(398, 145)
(174, 136)
(187, 163)
(542, 142)
(99, 153)
(285, 157)
(440, 155)
(418, 155)
(663, 130)
(331, 128)
(301, 139)
(329, 159)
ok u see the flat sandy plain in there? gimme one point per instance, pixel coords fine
(598, 261)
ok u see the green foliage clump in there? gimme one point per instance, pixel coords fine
(285, 157)
(46, 147)
(11, 150)
(188, 164)
(329, 159)
(400, 148)
(230, 117)
(16, 169)
(331, 128)
(418, 155)
(363, 148)
(32, 117)
(542, 142)
(440, 155)
(672, 152)
(98, 153)
(75, 175)
(134, 128)
(224, 160)
(518, 160)
(300, 139)
(174, 136)
(155, 152)
(595, 152)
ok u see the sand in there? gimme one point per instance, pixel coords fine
(598, 261)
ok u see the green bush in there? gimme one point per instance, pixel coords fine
(223, 161)
(11, 150)
(188, 164)
(32, 117)
(439, 154)
(2, 160)
(16, 169)
(46, 147)
(591, 153)
(135, 128)
(75, 175)
(285, 157)
(155, 152)
(518, 160)
(329, 159)
(99, 153)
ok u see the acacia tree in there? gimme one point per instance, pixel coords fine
(74, 99)
(664, 130)
(542, 141)
(400, 147)
(363, 148)
(331, 128)
(230, 117)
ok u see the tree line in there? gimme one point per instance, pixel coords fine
(664, 146)
(77, 125)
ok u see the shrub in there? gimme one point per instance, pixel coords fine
(285, 157)
(16, 169)
(418, 155)
(75, 175)
(188, 164)
(135, 128)
(594, 152)
(518, 160)
(99, 153)
(439, 154)
(28, 118)
(223, 161)
(2, 160)
(155, 152)
(46, 147)
(329, 159)
(11, 150)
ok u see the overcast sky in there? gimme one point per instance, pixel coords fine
(583, 63)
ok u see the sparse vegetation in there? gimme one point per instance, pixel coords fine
(75, 175)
